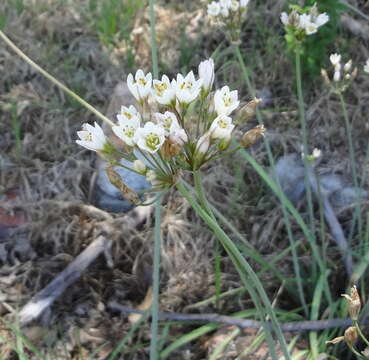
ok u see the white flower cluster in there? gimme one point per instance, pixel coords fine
(342, 73)
(163, 137)
(225, 8)
(309, 22)
(366, 67)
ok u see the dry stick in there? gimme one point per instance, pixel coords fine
(45, 298)
(298, 326)
(333, 223)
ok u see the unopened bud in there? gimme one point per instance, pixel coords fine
(139, 166)
(351, 335)
(325, 77)
(126, 191)
(224, 144)
(203, 144)
(152, 178)
(347, 66)
(248, 111)
(347, 76)
(354, 303)
(354, 74)
(337, 76)
(253, 135)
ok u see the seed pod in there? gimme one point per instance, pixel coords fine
(351, 335)
(248, 111)
(354, 303)
(126, 191)
(250, 137)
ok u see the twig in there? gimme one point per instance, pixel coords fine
(333, 223)
(46, 297)
(295, 326)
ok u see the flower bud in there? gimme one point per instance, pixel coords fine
(354, 303)
(139, 166)
(224, 143)
(116, 180)
(351, 335)
(251, 136)
(347, 66)
(203, 144)
(325, 77)
(337, 76)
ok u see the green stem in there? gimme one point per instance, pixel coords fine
(354, 351)
(302, 117)
(356, 324)
(154, 47)
(291, 239)
(156, 283)
(352, 164)
(248, 276)
(218, 261)
(54, 80)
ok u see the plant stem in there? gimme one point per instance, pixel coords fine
(356, 324)
(204, 203)
(291, 239)
(248, 276)
(54, 80)
(156, 283)
(305, 149)
(352, 164)
(154, 353)
(154, 47)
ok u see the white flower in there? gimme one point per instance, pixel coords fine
(126, 128)
(225, 101)
(224, 10)
(150, 138)
(221, 128)
(335, 59)
(168, 121)
(203, 144)
(235, 5)
(139, 166)
(244, 4)
(92, 138)
(140, 86)
(284, 18)
(309, 26)
(214, 9)
(128, 113)
(163, 91)
(206, 73)
(317, 153)
(187, 88)
(178, 135)
(321, 19)
(366, 67)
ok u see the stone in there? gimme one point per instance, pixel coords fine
(108, 197)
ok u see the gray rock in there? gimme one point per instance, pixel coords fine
(108, 197)
(347, 196)
(289, 171)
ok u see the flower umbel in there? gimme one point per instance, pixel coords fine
(165, 136)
